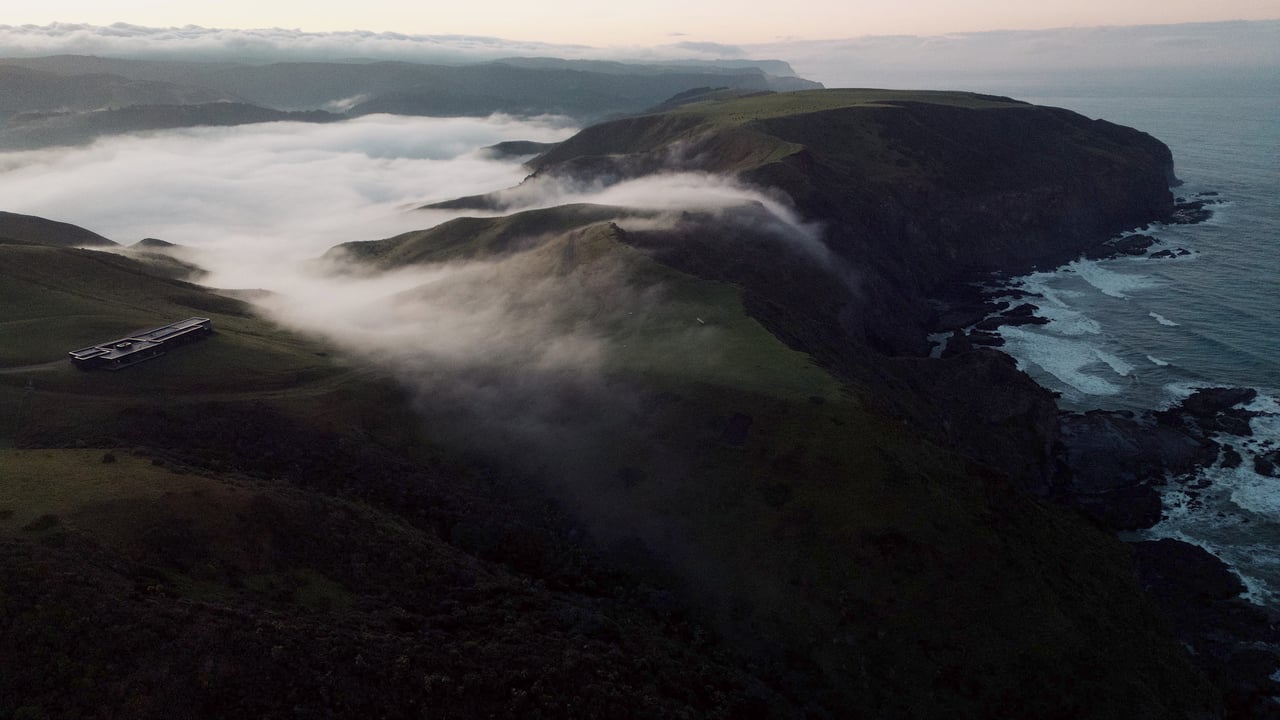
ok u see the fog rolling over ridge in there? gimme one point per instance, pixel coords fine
(518, 355)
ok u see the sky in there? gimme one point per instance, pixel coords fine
(590, 22)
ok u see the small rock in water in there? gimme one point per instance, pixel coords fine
(1208, 402)
(1190, 212)
(1023, 310)
(1231, 459)
(986, 339)
(1265, 464)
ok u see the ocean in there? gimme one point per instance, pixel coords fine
(1141, 333)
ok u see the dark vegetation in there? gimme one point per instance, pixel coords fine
(766, 506)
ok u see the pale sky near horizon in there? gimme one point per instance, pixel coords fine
(591, 22)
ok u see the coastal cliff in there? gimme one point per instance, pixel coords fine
(688, 464)
(916, 190)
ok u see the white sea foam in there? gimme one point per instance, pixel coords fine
(1176, 392)
(1065, 321)
(1041, 284)
(1237, 515)
(1162, 319)
(1256, 493)
(1109, 282)
(1117, 365)
(1064, 359)
(1158, 362)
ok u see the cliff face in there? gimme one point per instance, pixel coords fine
(981, 190)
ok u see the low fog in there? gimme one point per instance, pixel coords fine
(261, 195)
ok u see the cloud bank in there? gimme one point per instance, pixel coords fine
(192, 42)
(272, 193)
(905, 60)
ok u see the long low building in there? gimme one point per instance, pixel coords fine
(142, 345)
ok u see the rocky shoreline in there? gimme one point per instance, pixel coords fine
(1112, 464)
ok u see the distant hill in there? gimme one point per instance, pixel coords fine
(153, 244)
(29, 90)
(497, 87)
(33, 130)
(775, 68)
(39, 231)
(518, 148)
(71, 99)
(584, 89)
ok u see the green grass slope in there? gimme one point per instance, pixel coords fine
(895, 577)
(692, 122)
(470, 238)
(177, 591)
(53, 300)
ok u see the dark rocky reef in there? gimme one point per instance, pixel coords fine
(1116, 462)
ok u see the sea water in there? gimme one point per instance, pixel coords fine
(1143, 333)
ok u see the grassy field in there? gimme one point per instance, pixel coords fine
(72, 484)
(196, 527)
(53, 300)
(471, 238)
(742, 134)
(765, 107)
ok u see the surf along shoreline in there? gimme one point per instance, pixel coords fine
(1122, 468)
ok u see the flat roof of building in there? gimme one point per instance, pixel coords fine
(139, 341)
